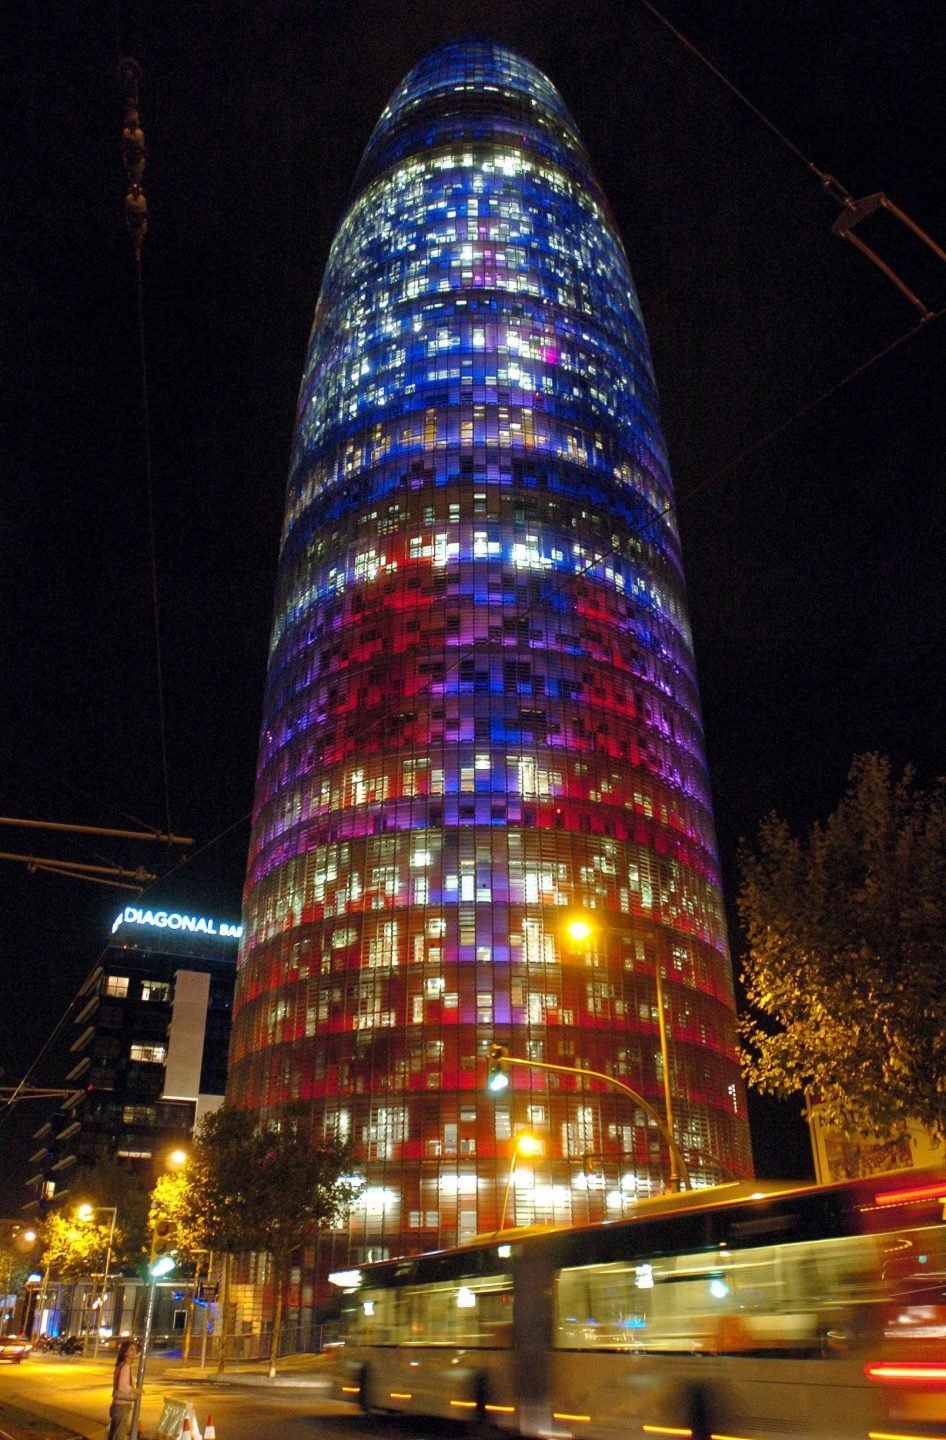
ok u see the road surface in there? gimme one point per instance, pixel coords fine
(73, 1392)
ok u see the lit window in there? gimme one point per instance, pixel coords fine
(149, 1054)
(158, 990)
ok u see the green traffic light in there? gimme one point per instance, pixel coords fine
(498, 1077)
(162, 1266)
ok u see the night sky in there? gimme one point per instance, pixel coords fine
(815, 562)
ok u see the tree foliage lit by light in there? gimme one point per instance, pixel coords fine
(844, 971)
(73, 1248)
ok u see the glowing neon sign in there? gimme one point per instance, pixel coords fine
(173, 920)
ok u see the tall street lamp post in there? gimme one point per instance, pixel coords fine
(581, 928)
(664, 1046)
(524, 1144)
(85, 1212)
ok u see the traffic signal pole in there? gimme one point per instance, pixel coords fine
(500, 1057)
(161, 1263)
(143, 1359)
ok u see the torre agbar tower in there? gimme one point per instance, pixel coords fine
(481, 713)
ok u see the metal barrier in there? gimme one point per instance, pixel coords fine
(257, 1346)
(173, 1415)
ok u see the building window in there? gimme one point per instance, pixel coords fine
(149, 1054)
(158, 990)
(139, 1114)
(116, 985)
(174, 1116)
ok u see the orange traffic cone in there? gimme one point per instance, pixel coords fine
(209, 1431)
(185, 1428)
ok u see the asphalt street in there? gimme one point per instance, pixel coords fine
(73, 1393)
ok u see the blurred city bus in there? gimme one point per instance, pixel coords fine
(744, 1312)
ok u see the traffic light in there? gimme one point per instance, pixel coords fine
(497, 1079)
(163, 1241)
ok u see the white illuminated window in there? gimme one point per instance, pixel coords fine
(149, 1054)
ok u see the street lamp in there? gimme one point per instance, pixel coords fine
(580, 927)
(85, 1212)
(524, 1144)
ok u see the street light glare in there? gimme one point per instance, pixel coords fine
(527, 1144)
(578, 929)
(84, 1212)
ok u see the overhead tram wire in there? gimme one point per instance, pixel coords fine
(809, 407)
(201, 850)
(104, 873)
(8, 1102)
(852, 211)
(143, 828)
(134, 158)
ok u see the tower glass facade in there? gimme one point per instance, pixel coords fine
(481, 713)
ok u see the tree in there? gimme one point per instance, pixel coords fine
(108, 1183)
(73, 1249)
(847, 939)
(299, 1189)
(211, 1203)
(262, 1186)
(16, 1258)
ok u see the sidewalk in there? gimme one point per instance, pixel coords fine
(303, 1370)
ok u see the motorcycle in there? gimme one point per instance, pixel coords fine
(70, 1345)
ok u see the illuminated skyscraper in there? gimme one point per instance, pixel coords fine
(481, 712)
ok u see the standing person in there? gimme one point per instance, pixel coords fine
(123, 1391)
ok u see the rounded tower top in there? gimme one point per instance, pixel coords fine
(459, 84)
(470, 67)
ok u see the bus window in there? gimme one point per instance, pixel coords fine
(372, 1318)
(475, 1312)
(601, 1306)
(805, 1297)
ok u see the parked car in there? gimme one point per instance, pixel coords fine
(15, 1347)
